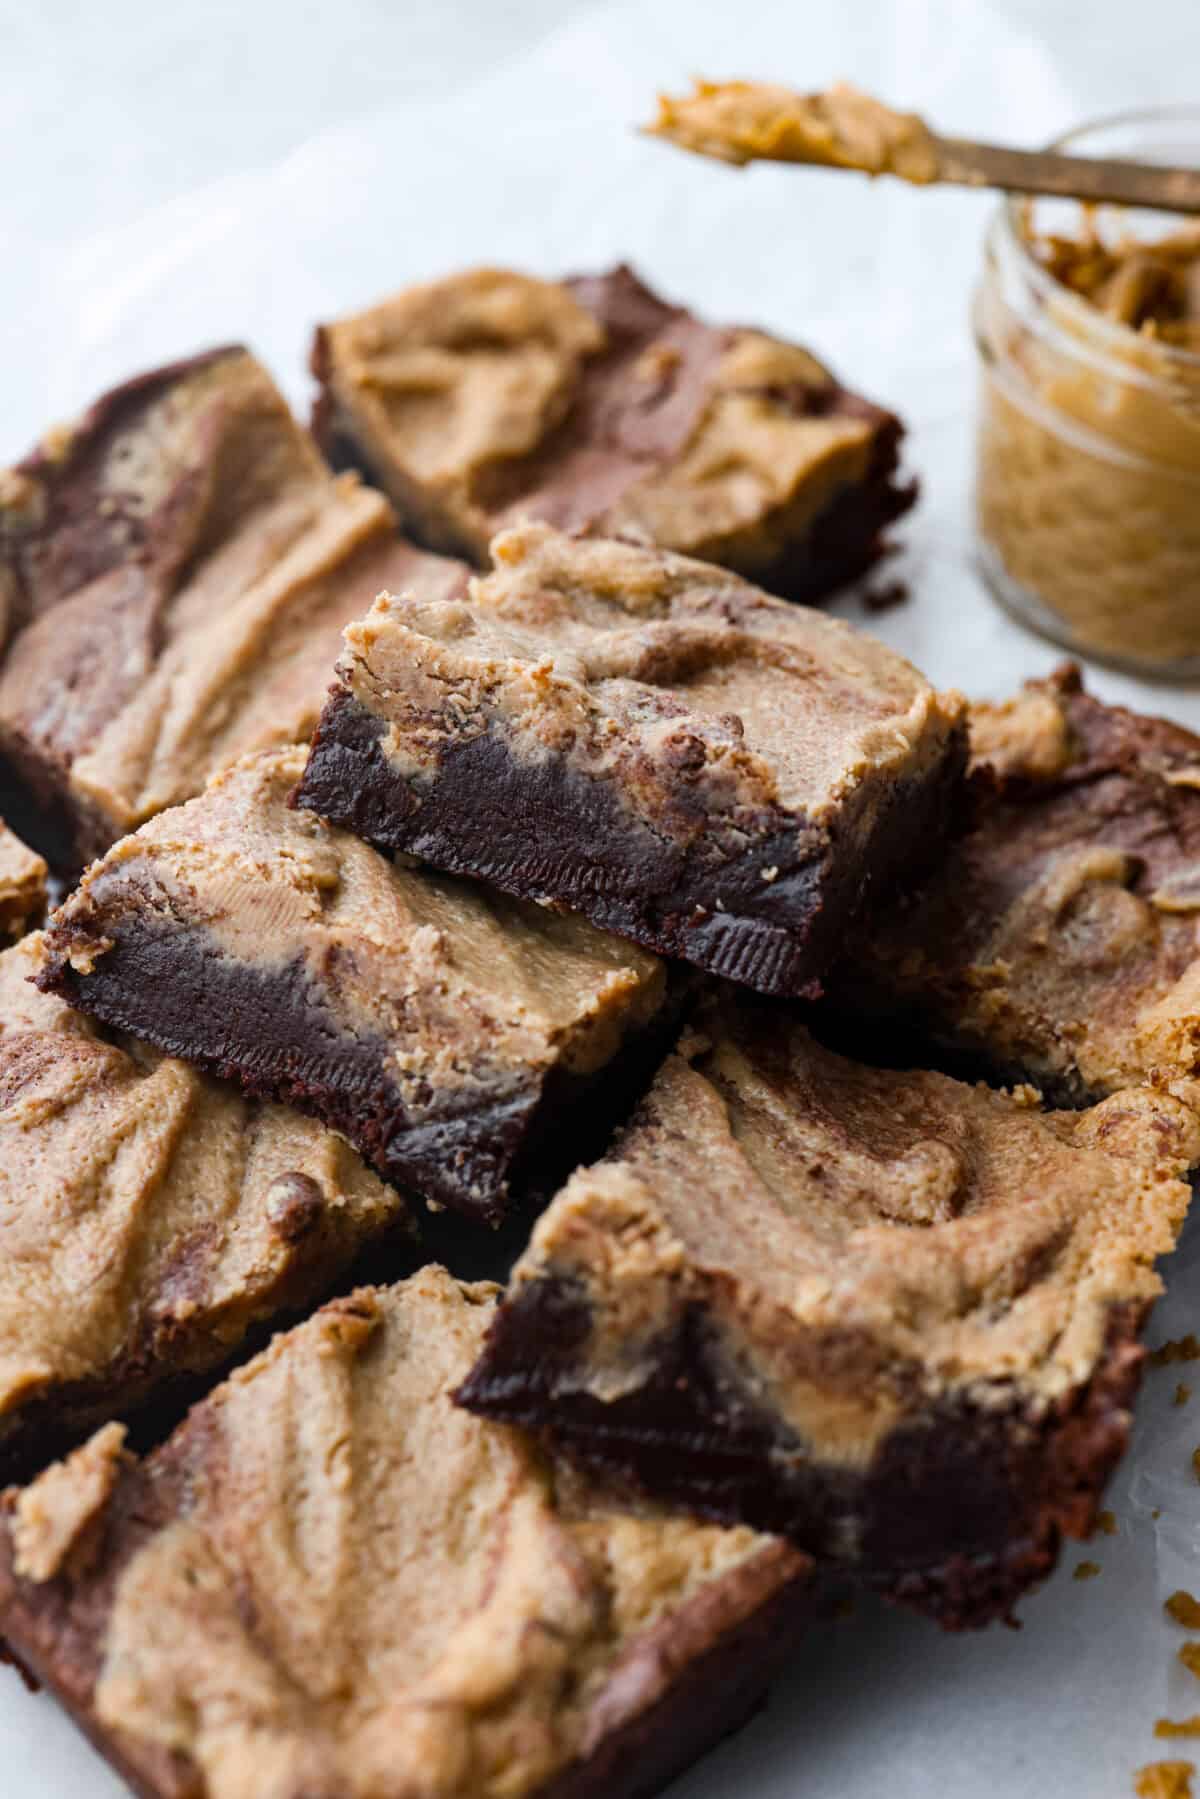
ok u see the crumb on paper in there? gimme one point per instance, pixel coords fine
(1182, 1393)
(884, 597)
(1196, 1463)
(1086, 1570)
(1106, 1524)
(1165, 1780)
(1182, 1727)
(1184, 1609)
(1176, 1349)
(1189, 1655)
(1156, 1513)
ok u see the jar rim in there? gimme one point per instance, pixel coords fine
(1009, 219)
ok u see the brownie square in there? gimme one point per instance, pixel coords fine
(450, 1033)
(650, 741)
(1056, 941)
(152, 1217)
(332, 1580)
(885, 1314)
(178, 567)
(23, 878)
(491, 398)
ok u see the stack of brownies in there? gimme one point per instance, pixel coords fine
(828, 1049)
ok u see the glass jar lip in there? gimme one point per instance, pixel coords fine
(1008, 221)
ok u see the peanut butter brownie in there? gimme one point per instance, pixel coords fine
(179, 566)
(885, 1314)
(649, 740)
(150, 1217)
(445, 1030)
(23, 878)
(491, 398)
(1056, 942)
(332, 1580)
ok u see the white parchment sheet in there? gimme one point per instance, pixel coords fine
(536, 166)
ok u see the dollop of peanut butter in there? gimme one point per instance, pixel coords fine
(759, 121)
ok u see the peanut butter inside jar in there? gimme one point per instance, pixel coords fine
(1088, 470)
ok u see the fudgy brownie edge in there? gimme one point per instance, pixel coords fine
(1011, 1484)
(672, 902)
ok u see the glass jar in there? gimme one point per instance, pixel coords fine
(1088, 449)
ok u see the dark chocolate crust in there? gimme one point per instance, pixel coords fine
(271, 1032)
(567, 832)
(694, 1678)
(958, 1514)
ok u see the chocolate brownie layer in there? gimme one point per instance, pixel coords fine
(181, 564)
(1056, 941)
(151, 1217)
(331, 1579)
(445, 1030)
(491, 398)
(885, 1314)
(648, 740)
(23, 878)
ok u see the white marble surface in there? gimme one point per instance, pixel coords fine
(178, 176)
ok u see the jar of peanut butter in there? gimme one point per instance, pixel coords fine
(1088, 459)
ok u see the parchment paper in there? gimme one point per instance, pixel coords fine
(536, 166)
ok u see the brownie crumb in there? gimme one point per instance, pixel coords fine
(1182, 1393)
(1086, 1570)
(1106, 1524)
(1177, 1349)
(1165, 1780)
(885, 597)
(1183, 1727)
(1183, 1608)
(1189, 1655)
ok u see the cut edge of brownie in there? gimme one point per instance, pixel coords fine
(678, 910)
(426, 524)
(37, 799)
(848, 537)
(1031, 1479)
(163, 985)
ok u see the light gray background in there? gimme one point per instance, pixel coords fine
(180, 175)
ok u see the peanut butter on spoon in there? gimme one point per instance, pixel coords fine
(751, 121)
(841, 127)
